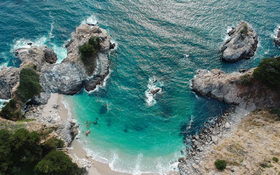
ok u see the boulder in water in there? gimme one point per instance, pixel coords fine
(155, 91)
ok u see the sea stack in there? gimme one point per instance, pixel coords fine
(242, 43)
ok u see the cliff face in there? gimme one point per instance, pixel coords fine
(242, 43)
(235, 88)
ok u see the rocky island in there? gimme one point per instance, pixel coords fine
(242, 43)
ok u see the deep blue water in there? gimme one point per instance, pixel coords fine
(164, 41)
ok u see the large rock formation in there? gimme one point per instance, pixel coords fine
(242, 43)
(235, 88)
(68, 77)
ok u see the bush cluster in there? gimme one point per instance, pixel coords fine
(22, 153)
(29, 84)
(268, 72)
(89, 51)
(220, 164)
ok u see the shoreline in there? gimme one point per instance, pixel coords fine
(76, 150)
(210, 135)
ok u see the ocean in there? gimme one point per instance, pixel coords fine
(160, 44)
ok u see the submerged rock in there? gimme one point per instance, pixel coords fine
(242, 43)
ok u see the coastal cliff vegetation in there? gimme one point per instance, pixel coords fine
(29, 87)
(268, 72)
(24, 152)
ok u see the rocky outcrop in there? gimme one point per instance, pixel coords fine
(277, 39)
(242, 43)
(38, 56)
(235, 88)
(50, 56)
(68, 77)
(9, 78)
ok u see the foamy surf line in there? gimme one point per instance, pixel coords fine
(154, 87)
(160, 168)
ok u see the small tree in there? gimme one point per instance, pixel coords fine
(220, 164)
(29, 84)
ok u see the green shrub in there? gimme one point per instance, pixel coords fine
(268, 72)
(220, 164)
(11, 111)
(275, 159)
(29, 84)
(88, 52)
(56, 163)
(52, 144)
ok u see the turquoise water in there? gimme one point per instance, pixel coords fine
(159, 44)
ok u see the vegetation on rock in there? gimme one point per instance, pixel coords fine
(29, 84)
(275, 159)
(245, 29)
(246, 80)
(268, 72)
(88, 52)
(11, 111)
(220, 164)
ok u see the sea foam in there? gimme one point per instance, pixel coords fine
(154, 83)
